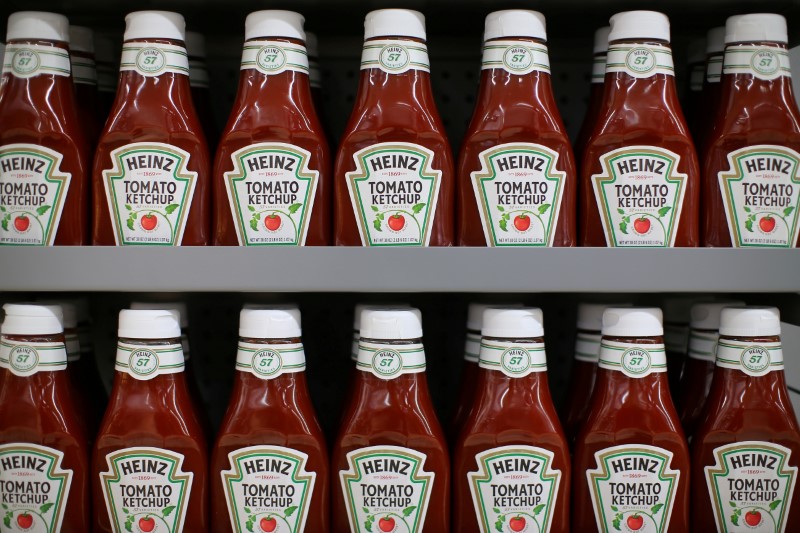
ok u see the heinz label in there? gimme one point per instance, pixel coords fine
(761, 192)
(394, 191)
(514, 489)
(268, 489)
(519, 191)
(30, 60)
(640, 196)
(751, 486)
(753, 359)
(386, 488)
(34, 488)
(25, 359)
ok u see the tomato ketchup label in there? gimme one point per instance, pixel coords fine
(633, 488)
(640, 196)
(274, 57)
(519, 191)
(144, 362)
(751, 486)
(703, 345)
(763, 62)
(268, 361)
(515, 57)
(761, 193)
(515, 360)
(29, 60)
(472, 346)
(395, 56)
(149, 191)
(84, 69)
(154, 59)
(394, 191)
(33, 190)
(514, 489)
(34, 488)
(271, 193)
(27, 358)
(640, 60)
(587, 347)
(633, 360)
(145, 490)
(386, 488)
(268, 489)
(754, 359)
(388, 361)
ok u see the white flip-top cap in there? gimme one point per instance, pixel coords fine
(705, 315)
(590, 315)
(359, 308)
(750, 321)
(394, 22)
(30, 319)
(515, 23)
(155, 25)
(601, 39)
(179, 307)
(149, 324)
(756, 27)
(270, 323)
(81, 39)
(715, 40)
(646, 25)
(195, 44)
(521, 323)
(69, 312)
(391, 324)
(38, 25)
(632, 322)
(274, 23)
(697, 51)
(312, 44)
(475, 313)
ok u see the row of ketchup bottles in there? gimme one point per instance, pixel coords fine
(389, 469)
(634, 178)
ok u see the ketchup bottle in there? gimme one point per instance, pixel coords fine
(150, 458)
(752, 166)
(271, 175)
(43, 150)
(631, 462)
(394, 170)
(516, 171)
(712, 88)
(512, 443)
(270, 441)
(390, 457)
(640, 179)
(151, 167)
(200, 82)
(44, 460)
(84, 76)
(595, 93)
(745, 454)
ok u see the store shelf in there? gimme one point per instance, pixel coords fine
(398, 270)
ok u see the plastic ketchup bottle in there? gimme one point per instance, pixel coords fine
(44, 152)
(270, 441)
(44, 459)
(390, 457)
(151, 167)
(150, 461)
(200, 83)
(640, 180)
(752, 166)
(394, 183)
(745, 453)
(595, 104)
(712, 88)
(512, 443)
(84, 75)
(272, 171)
(631, 461)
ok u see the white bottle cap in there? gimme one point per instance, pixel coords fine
(30, 319)
(81, 39)
(359, 308)
(69, 312)
(756, 27)
(149, 324)
(750, 321)
(515, 23)
(274, 23)
(37, 25)
(394, 22)
(601, 39)
(179, 307)
(697, 51)
(521, 323)
(646, 25)
(590, 315)
(154, 25)
(312, 44)
(195, 44)
(270, 323)
(715, 40)
(632, 322)
(705, 315)
(391, 324)
(475, 313)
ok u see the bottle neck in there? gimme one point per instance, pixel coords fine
(749, 369)
(270, 369)
(756, 72)
(518, 70)
(391, 371)
(39, 80)
(632, 366)
(33, 363)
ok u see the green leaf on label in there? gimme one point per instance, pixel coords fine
(290, 511)
(365, 509)
(503, 224)
(247, 510)
(125, 510)
(496, 510)
(2, 209)
(735, 519)
(294, 207)
(168, 511)
(375, 208)
(128, 207)
(499, 525)
(538, 509)
(46, 507)
(614, 508)
(417, 208)
(130, 223)
(7, 519)
(251, 208)
(788, 211)
(368, 526)
(656, 508)
(616, 523)
(377, 224)
(171, 208)
(408, 510)
(664, 210)
(623, 227)
(732, 504)
(543, 208)
(250, 522)
(257, 216)
(381, 216)
(620, 211)
(748, 224)
(42, 210)
(746, 209)
(774, 505)
(500, 208)
(129, 523)
(4, 223)
(254, 224)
